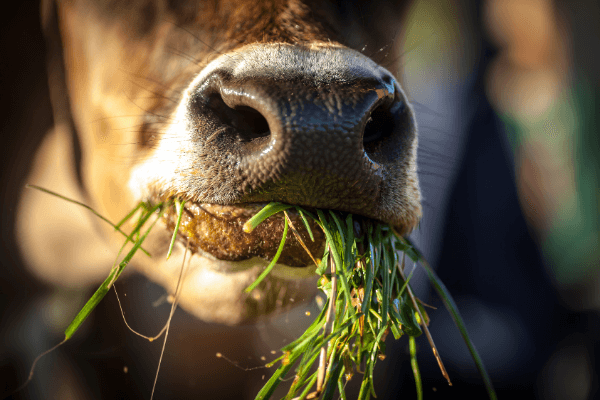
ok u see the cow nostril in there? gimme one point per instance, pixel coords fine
(380, 125)
(386, 130)
(248, 123)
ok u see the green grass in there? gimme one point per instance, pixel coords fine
(368, 297)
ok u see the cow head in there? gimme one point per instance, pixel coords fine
(227, 105)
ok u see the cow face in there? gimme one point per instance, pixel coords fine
(229, 105)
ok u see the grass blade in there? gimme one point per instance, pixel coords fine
(128, 216)
(304, 368)
(387, 267)
(273, 262)
(370, 279)
(179, 208)
(306, 390)
(350, 242)
(266, 212)
(335, 368)
(415, 367)
(372, 359)
(338, 223)
(103, 289)
(299, 238)
(301, 213)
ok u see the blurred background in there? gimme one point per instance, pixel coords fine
(507, 95)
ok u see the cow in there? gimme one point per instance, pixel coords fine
(226, 105)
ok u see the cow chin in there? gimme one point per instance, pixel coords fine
(213, 289)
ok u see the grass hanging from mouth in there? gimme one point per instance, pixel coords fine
(264, 274)
(147, 210)
(368, 297)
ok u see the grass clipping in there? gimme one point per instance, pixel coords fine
(368, 296)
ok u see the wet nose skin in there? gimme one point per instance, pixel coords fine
(301, 140)
(325, 128)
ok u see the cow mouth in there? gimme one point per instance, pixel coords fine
(216, 231)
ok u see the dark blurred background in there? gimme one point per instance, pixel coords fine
(507, 95)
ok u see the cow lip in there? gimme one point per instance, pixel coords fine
(217, 230)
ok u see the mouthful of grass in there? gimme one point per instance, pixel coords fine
(368, 297)
(361, 264)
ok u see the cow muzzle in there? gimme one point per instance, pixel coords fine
(318, 126)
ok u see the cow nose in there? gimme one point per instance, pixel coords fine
(320, 130)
